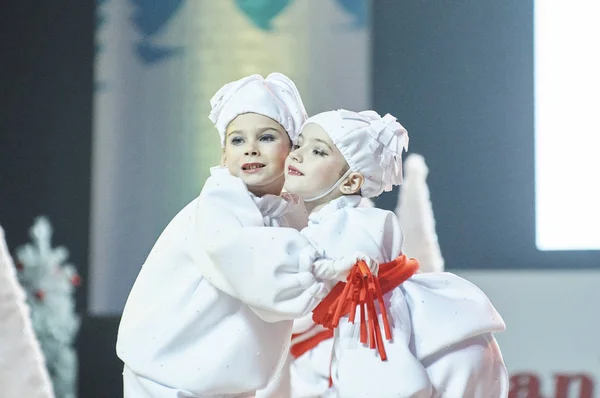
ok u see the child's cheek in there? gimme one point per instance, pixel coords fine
(284, 151)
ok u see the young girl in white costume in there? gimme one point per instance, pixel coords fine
(210, 313)
(440, 326)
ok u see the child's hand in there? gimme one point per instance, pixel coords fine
(339, 269)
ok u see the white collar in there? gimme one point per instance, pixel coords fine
(333, 206)
(272, 207)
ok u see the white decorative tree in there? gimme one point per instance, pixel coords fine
(416, 216)
(49, 284)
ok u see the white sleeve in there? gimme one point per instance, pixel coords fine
(471, 369)
(138, 386)
(267, 268)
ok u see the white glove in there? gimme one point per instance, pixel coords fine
(338, 269)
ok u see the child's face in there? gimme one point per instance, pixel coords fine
(314, 165)
(255, 151)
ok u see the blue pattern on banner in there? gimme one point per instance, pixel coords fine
(149, 17)
(98, 47)
(357, 9)
(100, 20)
(149, 53)
(262, 12)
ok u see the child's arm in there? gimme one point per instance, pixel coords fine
(269, 269)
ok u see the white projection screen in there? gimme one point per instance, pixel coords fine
(567, 130)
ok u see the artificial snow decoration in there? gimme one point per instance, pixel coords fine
(416, 216)
(49, 284)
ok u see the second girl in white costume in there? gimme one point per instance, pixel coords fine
(442, 326)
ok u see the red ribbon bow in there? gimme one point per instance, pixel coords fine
(361, 290)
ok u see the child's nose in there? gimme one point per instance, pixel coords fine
(251, 150)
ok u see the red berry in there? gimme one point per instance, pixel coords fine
(76, 280)
(40, 294)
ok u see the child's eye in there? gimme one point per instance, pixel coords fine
(237, 140)
(267, 138)
(319, 152)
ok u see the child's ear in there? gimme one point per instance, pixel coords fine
(352, 184)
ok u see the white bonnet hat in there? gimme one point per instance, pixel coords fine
(372, 145)
(275, 97)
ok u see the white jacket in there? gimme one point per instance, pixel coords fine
(442, 325)
(210, 312)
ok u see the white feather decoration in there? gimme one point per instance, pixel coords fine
(415, 212)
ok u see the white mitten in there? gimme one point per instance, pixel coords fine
(338, 269)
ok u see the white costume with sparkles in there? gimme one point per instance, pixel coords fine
(442, 326)
(210, 312)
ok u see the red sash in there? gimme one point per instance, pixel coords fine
(362, 289)
(308, 344)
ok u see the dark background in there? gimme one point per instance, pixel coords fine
(459, 75)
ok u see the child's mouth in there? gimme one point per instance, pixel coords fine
(294, 171)
(252, 167)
